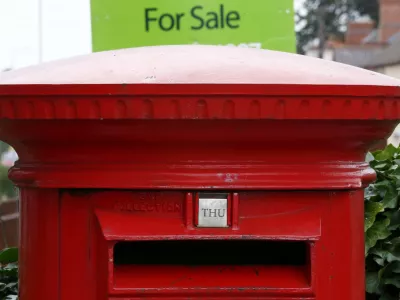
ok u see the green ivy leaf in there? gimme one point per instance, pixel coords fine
(394, 267)
(394, 241)
(390, 200)
(371, 210)
(382, 166)
(380, 261)
(372, 282)
(394, 220)
(395, 168)
(381, 185)
(391, 268)
(387, 153)
(393, 281)
(12, 287)
(370, 192)
(2, 286)
(389, 275)
(10, 271)
(380, 256)
(9, 255)
(378, 231)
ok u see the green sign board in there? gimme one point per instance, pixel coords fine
(267, 24)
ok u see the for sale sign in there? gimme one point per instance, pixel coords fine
(267, 24)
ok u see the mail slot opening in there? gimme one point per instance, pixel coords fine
(211, 252)
(227, 263)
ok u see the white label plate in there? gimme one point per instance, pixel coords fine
(213, 212)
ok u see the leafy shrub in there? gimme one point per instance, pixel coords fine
(382, 226)
(9, 274)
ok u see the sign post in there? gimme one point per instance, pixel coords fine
(266, 24)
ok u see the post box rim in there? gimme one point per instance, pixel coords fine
(290, 90)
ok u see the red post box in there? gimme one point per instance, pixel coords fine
(193, 172)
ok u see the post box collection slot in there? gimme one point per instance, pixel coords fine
(211, 264)
(210, 252)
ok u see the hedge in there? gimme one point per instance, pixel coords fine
(382, 226)
(9, 274)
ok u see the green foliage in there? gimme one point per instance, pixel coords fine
(382, 225)
(9, 274)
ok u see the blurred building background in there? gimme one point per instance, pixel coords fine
(35, 31)
(369, 44)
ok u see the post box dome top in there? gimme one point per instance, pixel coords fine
(200, 65)
(194, 117)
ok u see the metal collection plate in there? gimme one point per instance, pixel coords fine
(213, 211)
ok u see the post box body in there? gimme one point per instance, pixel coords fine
(175, 178)
(316, 258)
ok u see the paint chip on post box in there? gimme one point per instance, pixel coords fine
(212, 211)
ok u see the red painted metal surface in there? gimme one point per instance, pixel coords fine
(114, 147)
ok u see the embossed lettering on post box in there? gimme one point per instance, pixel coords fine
(213, 210)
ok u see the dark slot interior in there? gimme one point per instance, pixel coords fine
(213, 195)
(211, 253)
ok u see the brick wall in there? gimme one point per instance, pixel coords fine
(389, 18)
(357, 31)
